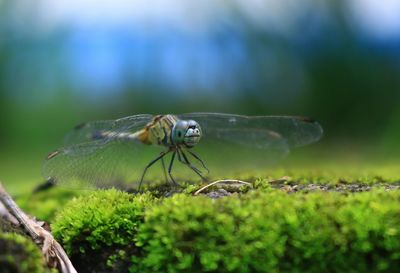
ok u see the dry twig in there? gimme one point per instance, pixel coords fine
(221, 181)
(53, 253)
(275, 181)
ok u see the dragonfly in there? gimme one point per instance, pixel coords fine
(94, 152)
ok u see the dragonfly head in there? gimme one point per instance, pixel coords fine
(187, 132)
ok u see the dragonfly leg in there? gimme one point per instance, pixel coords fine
(164, 169)
(162, 154)
(187, 163)
(199, 159)
(170, 169)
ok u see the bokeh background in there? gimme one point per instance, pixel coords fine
(64, 62)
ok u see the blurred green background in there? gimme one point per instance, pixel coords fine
(65, 62)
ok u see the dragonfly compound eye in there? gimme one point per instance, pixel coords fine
(193, 134)
(179, 131)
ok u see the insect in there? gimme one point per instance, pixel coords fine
(94, 152)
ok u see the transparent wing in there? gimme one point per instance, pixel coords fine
(84, 132)
(240, 145)
(86, 161)
(263, 132)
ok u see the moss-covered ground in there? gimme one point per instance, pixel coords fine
(320, 218)
(314, 221)
(263, 230)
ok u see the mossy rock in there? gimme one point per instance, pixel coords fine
(272, 232)
(264, 230)
(19, 254)
(99, 230)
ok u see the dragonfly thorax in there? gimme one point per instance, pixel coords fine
(186, 132)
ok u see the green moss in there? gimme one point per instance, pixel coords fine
(99, 228)
(19, 255)
(253, 230)
(272, 232)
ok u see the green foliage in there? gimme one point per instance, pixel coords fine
(19, 254)
(272, 232)
(100, 220)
